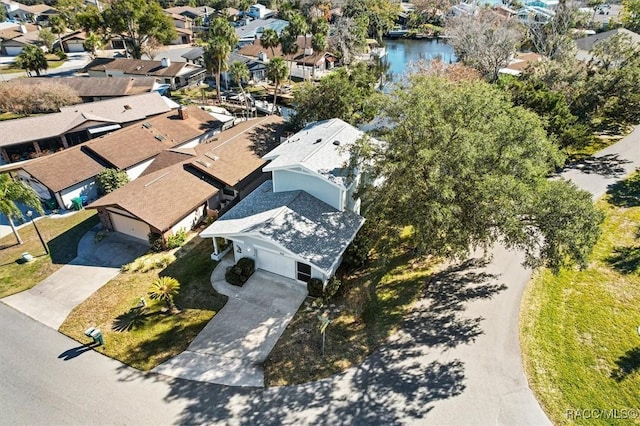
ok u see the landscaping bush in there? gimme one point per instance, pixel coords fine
(239, 273)
(332, 288)
(315, 287)
(247, 266)
(155, 240)
(176, 240)
(60, 54)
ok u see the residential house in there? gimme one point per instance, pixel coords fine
(182, 186)
(176, 75)
(299, 223)
(184, 28)
(200, 15)
(586, 44)
(25, 138)
(306, 63)
(250, 31)
(71, 173)
(259, 11)
(22, 13)
(93, 89)
(14, 38)
(257, 67)
(534, 15)
(520, 63)
(73, 42)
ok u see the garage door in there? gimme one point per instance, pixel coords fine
(75, 47)
(13, 50)
(129, 226)
(275, 262)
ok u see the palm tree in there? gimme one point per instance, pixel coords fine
(58, 26)
(289, 46)
(298, 26)
(165, 289)
(32, 59)
(276, 72)
(215, 59)
(222, 40)
(12, 191)
(319, 38)
(240, 72)
(270, 40)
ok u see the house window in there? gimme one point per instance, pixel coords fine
(304, 272)
(229, 191)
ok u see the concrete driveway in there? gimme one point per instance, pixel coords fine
(51, 301)
(231, 349)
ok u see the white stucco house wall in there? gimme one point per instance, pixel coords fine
(299, 223)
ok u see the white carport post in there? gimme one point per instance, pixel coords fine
(215, 246)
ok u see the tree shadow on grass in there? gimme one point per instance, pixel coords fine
(627, 365)
(64, 247)
(625, 193)
(398, 383)
(625, 260)
(607, 165)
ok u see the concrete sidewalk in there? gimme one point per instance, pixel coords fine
(51, 301)
(231, 349)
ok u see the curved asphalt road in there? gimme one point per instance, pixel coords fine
(456, 361)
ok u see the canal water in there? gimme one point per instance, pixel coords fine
(402, 52)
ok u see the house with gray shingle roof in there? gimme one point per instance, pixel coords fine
(299, 223)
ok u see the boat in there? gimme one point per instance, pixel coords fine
(266, 107)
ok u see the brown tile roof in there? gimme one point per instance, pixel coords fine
(524, 60)
(236, 153)
(64, 169)
(162, 198)
(254, 49)
(141, 67)
(98, 86)
(135, 144)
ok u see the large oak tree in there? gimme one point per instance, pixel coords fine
(461, 167)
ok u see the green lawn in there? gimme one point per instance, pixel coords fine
(578, 329)
(372, 303)
(62, 235)
(144, 338)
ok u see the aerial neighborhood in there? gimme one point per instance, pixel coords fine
(344, 212)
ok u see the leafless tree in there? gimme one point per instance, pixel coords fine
(346, 38)
(21, 97)
(552, 38)
(485, 41)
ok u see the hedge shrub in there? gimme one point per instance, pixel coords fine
(239, 273)
(315, 287)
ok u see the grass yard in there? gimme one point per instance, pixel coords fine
(62, 234)
(369, 307)
(578, 329)
(145, 337)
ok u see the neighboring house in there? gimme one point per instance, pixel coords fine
(259, 11)
(71, 173)
(586, 44)
(520, 63)
(23, 13)
(177, 75)
(184, 28)
(543, 4)
(182, 186)
(250, 31)
(74, 42)
(40, 13)
(306, 63)
(534, 15)
(257, 67)
(14, 38)
(299, 223)
(92, 89)
(230, 13)
(31, 137)
(194, 13)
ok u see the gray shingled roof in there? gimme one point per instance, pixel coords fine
(588, 43)
(294, 220)
(321, 147)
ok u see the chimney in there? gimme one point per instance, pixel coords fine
(308, 51)
(23, 29)
(262, 57)
(182, 113)
(165, 62)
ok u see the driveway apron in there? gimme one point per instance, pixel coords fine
(232, 348)
(51, 301)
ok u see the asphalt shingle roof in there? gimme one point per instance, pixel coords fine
(321, 147)
(294, 220)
